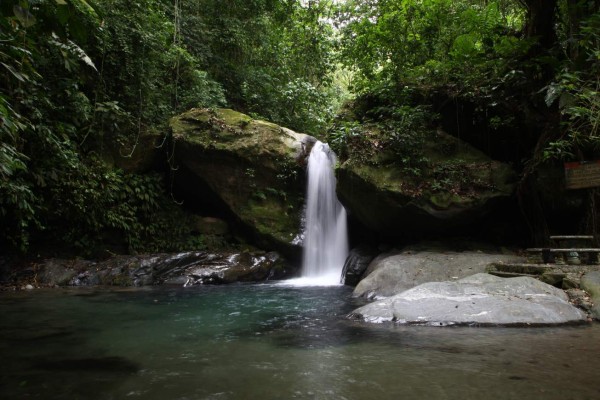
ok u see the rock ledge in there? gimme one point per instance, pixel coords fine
(480, 299)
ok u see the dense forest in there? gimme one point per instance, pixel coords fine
(84, 82)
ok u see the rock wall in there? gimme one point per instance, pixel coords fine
(387, 200)
(250, 170)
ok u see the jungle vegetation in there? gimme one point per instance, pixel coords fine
(83, 81)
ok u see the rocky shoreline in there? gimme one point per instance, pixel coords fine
(182, 269)
(416, 285)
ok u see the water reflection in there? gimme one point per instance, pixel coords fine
(268, 342)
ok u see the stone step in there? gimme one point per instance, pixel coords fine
(503, 274)
(527, 269)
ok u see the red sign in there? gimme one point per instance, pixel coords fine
(584, 174)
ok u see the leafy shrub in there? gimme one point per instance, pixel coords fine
(94, 205)
(393, 134)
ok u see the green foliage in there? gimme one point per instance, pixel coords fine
(145, 70)
(417, 41)
(576, 91)
(274, 59)
(83, 80)
(405, 134)
(391, 135)
(459, 177)
(94, 203)
(32, 110)
(77, 80)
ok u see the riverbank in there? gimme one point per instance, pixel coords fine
(385, 276)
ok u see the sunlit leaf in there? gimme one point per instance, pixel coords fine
(552, 93)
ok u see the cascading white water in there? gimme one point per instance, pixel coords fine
(325, 235)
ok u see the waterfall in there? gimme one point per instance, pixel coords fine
(325, 235)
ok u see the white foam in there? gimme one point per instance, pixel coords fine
(326, 280)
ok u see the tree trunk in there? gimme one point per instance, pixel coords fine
(541, 18)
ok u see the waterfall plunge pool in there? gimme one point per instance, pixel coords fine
(271, 341)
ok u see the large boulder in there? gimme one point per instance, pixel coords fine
(590, 282)
(455, 188)
(392, 273)
(251, 171)
(480, 299)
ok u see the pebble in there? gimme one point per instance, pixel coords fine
(29, 287)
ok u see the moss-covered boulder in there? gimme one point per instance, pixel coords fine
(454, 186)
(249, 170)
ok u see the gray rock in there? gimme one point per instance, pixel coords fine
(590, 282)
(57, 272)
(244, 267)
(193, 267)
(580, 298)
(392, 273)
(357, 263)
(481, 299)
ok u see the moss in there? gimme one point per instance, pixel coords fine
(253, 167)
(444, 147)
(445, 200)
(231, 131)
(122, 280)
(271, 216)
(233, 118)
(384, 178)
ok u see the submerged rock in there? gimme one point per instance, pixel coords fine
(250, 170)
(392, 273)
(480, 299)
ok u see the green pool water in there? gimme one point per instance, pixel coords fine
(271, 342)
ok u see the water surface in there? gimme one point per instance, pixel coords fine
(271, 342)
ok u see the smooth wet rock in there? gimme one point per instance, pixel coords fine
(480, 299)
(57, 272)
(244, 267)
(250, 170)
(392, 273)
(356, 264)
(187, 268)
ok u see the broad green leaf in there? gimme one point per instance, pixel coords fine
(24, 16)
(85, 7)
(18, 75)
